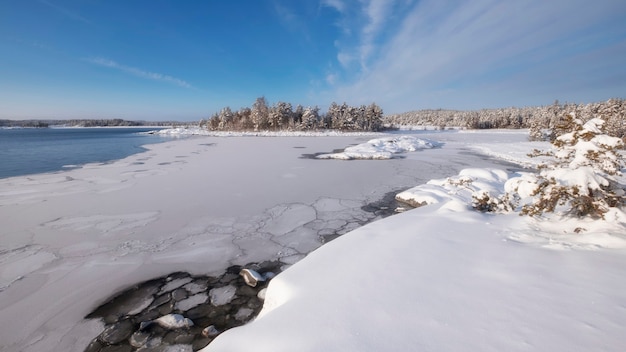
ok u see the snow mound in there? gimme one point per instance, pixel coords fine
(569, 233)
(382, 148)
(554, 231)
(458, 188)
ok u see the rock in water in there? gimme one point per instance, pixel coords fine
(170, 322)
(251, 277)
(210, 331)
(117, 332)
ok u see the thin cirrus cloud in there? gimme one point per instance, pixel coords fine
(138, 72)
(67, 13)
(467, 54)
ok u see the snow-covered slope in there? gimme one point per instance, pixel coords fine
(447, 278)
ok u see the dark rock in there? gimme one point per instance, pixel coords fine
(94, 346)
(246, 291)
(178, 337)
(139, 339)
(255, 303)
(200, 311)
(235, 269)
(228, 278)
(154, 344)
(161, 300)
(129, 301)
(148, 315)
(179, 294)
(185, 339)
(175, 283)
(166, 308)
(117, 332)
(176, 275)
(269, 266)
(198, 285)
(239, 301)
(328, 238)
(200, 343)
(117, 348)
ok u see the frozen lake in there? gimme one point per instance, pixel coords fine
(71, 239)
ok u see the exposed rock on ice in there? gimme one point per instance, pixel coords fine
(222, 295)
(169, 321)
(251, 277)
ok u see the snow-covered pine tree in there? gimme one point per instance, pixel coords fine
(584, 177)
(225, 119)
(374, 117)
(259, 114)
(310, 118)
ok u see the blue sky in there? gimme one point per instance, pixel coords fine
(185, 59)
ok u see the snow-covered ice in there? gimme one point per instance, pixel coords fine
(382, 148)
(441, 277)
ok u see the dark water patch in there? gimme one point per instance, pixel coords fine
(180, 309)
(314, 155)
(387, 205)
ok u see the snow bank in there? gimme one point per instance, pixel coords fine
(447, 278)
(458, 188)
(382, 148)
(197, 131)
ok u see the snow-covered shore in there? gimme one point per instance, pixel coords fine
(442, 278)
(73, 238)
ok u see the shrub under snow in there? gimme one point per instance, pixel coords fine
(583, 178)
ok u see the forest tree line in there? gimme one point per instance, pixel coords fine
(538, 119)
(85, 123)
(281, 116)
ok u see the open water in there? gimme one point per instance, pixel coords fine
(27, 151)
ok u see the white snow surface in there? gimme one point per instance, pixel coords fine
(197, 131)
(446, 278)
(441, 277)
(382, 148)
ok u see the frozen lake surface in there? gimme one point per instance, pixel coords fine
(71, 239)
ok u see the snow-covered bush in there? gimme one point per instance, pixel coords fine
(583, 178)
(484, 201)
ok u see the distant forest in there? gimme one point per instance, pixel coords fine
(86, 123)
(539, 118)
(282, 116)
(542, 121)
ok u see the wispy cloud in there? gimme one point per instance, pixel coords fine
(376, 11)
(291, 20)
(467, 54)
(138, 72)
(66, 12)
(338, 5)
